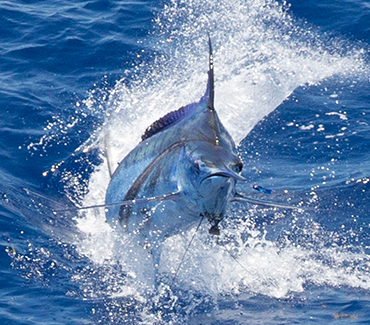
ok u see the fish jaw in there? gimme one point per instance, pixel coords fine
(215, 192)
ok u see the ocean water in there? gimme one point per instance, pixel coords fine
(292, 88)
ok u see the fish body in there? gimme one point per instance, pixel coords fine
(189, 161)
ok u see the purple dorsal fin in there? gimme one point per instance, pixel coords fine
(166, 121)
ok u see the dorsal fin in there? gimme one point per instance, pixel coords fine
(210, 93)
(166, 121)
(174, 116)
(211, 80)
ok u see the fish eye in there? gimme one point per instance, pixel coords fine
(199, 165)
(238, 167)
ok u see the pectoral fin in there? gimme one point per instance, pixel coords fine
(241, 198)
(169, 197)
(108, 154)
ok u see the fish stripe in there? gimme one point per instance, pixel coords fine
(131, 194)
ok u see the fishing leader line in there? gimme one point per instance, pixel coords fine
(186, 250)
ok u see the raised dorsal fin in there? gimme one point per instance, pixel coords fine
(211, 80)
(175, 116)
(166, 121)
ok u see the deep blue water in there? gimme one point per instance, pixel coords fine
(292, 86)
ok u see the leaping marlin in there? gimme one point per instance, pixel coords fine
(185, 168)
(187, 160)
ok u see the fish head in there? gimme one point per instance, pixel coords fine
(210, 176)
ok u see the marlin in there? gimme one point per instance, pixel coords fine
(185, 169)
(188, 161)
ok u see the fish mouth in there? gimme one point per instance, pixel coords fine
(216, 187)
(226, 174)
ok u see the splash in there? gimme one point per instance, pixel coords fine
(261, 54)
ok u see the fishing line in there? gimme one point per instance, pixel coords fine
(28, 192)
(187, 248)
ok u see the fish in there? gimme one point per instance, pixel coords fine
(188, 162)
